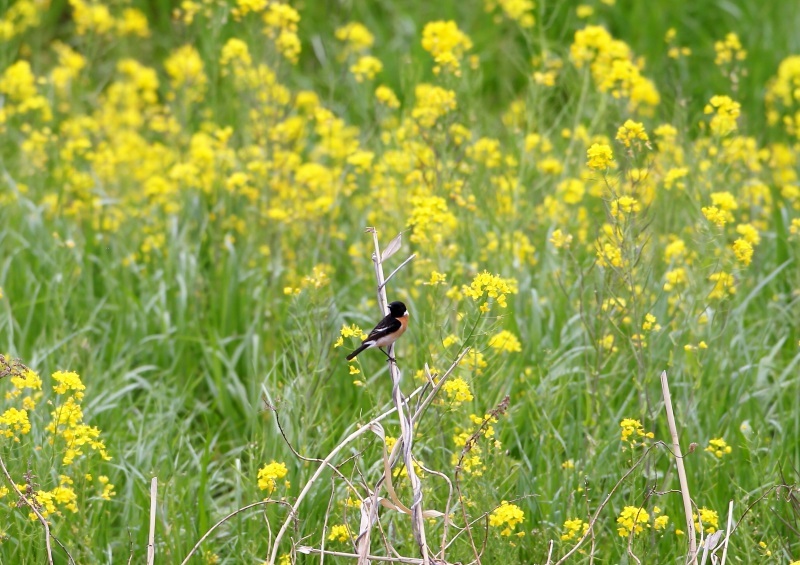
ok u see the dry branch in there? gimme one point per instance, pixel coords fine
(684, 484)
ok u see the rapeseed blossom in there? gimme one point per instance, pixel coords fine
(633, 431)
(447, 44)
(599, 157)
(718, 447)
(508, 515)
(632, 519)
(269, 474)
(573, 529)
(709, 519)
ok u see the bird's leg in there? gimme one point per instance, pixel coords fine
(389, 358)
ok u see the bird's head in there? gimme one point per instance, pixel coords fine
(397, 309)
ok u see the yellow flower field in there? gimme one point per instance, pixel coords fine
(592, 194)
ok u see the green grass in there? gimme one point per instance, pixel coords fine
(182, 347)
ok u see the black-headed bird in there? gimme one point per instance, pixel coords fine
(387, 331)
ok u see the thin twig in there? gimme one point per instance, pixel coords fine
(225, 519)
(393, 273)
(151, 539)
(684, 484)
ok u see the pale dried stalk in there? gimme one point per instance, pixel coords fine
(676, 447)
(727, 533)
(322, 466)
(406, 423)
(151, 540)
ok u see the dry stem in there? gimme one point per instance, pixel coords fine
(676, 446)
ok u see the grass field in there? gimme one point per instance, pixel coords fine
(595, 193)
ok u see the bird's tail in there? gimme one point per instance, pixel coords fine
(357, 351)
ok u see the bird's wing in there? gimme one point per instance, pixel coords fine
(387, 326)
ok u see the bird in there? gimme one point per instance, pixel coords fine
(386, 332)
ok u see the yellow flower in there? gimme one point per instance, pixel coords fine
(661, 522)
(15, 421)
(632, 519)
(520, 11)
(184, 66)
(718, 447)
(725, 111)
(508, 515)
(650, 323)
(599, 156)
(447, 44)
(631, 132)
(560, 240)
(432, 102)
(624, 205)
(457, 391)
(68, 381)
(437, 278)
(724, 285)
(356, 36)
(366, 68)
(387, 97)
(491, 286)
(709, 518)
(574, 528)
(729, 50)
(340, 533)
(268, 475)
(505, 341)
(431, 219)
(633, 430)
(743, 251)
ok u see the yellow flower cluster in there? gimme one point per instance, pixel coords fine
(783, 96)
(726, 111)
(632, 519)
(67, 433)
(432, 102)
(281, 24)
(431, 220)
(349, 331)
(636, 520)
(573, 529)
(487, 285)
(505, 341)
(340, 533)
(599, 157)
(447, 44)
(520, 11)
(613, 67)
(729, 50)
(457, 391)
(709, 519)
(269, 474)
(719, 447)
(632, 132)
(506, 516)
(633, 431)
